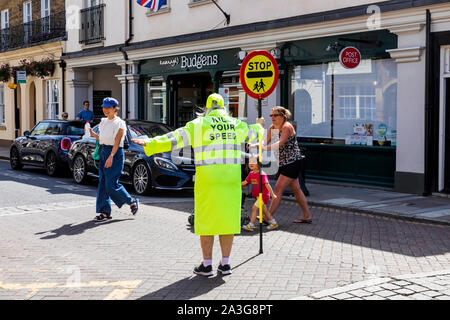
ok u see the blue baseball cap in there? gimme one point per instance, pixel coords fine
(109, 103)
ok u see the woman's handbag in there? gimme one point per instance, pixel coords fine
(96, 154)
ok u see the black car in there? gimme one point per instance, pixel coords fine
(160, 171)
(47, 145)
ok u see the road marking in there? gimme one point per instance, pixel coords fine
(118, 294)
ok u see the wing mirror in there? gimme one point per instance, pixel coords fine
(26, 134)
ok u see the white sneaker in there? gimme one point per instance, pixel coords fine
(249, 227)
(272, 226)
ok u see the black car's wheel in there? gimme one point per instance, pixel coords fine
(51, 166)
(79, 172)
(142, 182)
(14, 159)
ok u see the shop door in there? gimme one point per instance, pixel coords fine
(447, 137)
(191, 92)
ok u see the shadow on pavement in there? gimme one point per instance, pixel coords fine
(351, 228)
(71, 230)
(186, 288)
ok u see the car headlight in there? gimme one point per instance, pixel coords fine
(164, 163)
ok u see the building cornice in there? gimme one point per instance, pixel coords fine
(53, 49)
(403, 55)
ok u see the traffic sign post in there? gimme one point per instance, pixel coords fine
(259, 77)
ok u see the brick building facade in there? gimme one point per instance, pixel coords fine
(31, 30)
(15, 8)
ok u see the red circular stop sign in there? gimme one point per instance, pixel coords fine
(350, 57)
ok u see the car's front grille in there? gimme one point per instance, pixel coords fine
(189, 184)
(189, 168)
(167, 181)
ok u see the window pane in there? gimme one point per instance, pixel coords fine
(365, 96)
(310, 96)
(362, 97)
(236, 97)
(52, 108)
(40, 129)
(157, 109)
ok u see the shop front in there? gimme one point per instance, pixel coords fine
(346, 118)
(173, 90)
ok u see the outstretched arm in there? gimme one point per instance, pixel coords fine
(176, 139)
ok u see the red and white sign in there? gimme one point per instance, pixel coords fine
(350, 57)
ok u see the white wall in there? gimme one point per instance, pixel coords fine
(411, 107)
(115, 24)
(183, 19)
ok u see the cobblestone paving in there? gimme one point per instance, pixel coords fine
(423, 286)
(63, 254)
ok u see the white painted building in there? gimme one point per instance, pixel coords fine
(162, 65)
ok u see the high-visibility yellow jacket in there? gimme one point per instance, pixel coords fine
(217, 140)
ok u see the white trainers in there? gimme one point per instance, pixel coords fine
(249, 227)
(272, 226)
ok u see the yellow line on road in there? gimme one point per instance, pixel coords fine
(118, 294)
(36, 286)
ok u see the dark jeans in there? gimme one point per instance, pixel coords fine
(109, 187)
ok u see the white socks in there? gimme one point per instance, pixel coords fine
(207, 262)
(224, 261)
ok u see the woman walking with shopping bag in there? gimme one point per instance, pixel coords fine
(111, 137)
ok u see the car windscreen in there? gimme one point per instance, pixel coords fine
(142, 131)
(40, 129)
(75, 129)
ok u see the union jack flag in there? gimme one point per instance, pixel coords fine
(154, 5)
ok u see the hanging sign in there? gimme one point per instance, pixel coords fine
(21, 77)
(259, 74)
(350, 57)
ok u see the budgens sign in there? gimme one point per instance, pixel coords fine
(197, 61)
(192, 62)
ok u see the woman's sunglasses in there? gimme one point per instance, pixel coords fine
(275, 115)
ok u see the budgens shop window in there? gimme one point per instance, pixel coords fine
(334, 105)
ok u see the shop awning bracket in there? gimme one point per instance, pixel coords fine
(227, 16)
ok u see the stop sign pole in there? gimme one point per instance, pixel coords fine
(259, 77)
(260, 182)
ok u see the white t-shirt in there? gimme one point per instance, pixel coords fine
(108, 130)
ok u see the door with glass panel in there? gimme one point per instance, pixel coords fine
(52, 96)
(447, 136)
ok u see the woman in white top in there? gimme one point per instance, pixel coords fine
(111, 136)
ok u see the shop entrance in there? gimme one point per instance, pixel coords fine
(188, 96)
